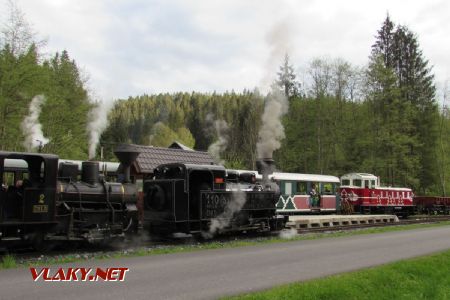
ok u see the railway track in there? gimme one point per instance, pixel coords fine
(89, 252)
(413, 220)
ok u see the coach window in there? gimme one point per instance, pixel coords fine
(288, 188)
(327, 188)
(301, 187)
(373, 183)
(346, 182)
(357, 182)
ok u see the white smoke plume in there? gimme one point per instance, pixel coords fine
(31, 127)
(278, 40)
(272, 130)
(157, 127)
(216, 148)
(288, 234)
(97, 123)
(223, 220)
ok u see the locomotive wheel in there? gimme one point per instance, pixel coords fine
(39, 243)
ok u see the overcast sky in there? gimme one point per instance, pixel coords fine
(131, 47)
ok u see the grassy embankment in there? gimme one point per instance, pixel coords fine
(426, 277)
(8, 261)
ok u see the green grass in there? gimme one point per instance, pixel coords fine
(8, 262)
(421, 278)
(45, 261)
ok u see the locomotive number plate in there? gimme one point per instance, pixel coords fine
(37, 209)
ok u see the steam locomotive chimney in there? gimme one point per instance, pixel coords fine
(126, 154)
(265, 167)
(89, 172)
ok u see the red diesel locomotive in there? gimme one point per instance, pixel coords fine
(361, 192)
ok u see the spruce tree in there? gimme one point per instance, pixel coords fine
(286, 79)
(397, 49)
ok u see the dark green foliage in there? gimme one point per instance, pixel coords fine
(402, 94)
(64, 114)
(158, 120)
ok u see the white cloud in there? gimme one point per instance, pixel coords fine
(141, 46)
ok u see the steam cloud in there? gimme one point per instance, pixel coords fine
(98, 120)
(272, 130)
(288, 234)
(31, 127)
(223, 220)
(279, 41)
(221, 144)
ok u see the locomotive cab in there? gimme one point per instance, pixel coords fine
(360, 180)
(27, 196)
(172, 199)
(188, 198)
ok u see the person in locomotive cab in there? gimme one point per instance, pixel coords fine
(4, 187)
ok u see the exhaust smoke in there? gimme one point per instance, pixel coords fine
(272, 129)
(31, 128)
(223, 220)
(97, 123)
(216, 148)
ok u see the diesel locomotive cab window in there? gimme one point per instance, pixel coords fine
(357, 182)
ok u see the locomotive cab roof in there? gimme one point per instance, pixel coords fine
(360, 180)
(180, 170)
(359, 176)
(191, 166)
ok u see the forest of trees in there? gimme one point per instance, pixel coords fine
(24, 73)
(383, 118)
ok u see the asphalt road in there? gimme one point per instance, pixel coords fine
(214, 273)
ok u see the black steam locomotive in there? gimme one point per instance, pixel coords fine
(198, 199)
(47, 202)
